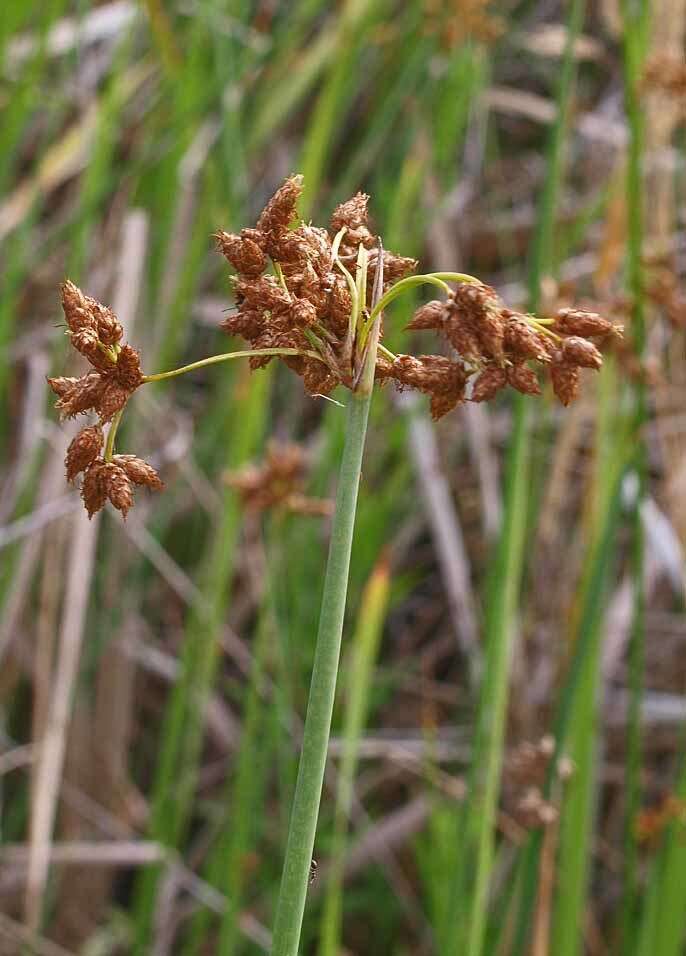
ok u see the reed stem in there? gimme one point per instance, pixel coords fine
(296, 871)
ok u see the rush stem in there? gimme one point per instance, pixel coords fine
(303, 822)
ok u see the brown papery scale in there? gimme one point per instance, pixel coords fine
(83, 449)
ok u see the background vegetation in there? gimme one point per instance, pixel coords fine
(517, 573)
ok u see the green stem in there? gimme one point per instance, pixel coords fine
(303, 822)
(224, 357)
(111, 435)
(439, 279)
(636, 23)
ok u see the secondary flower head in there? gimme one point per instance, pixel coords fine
(95, 332)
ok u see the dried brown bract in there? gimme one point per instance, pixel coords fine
(83, 449)
(278, 483)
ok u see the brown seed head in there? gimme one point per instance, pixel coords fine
(394, 268)
(279, 212)
(522, 340)
(318, 379)
(139, 471)
(77, 311)
(93, 487)
(261, 293)
(86, 342)
(249, 324)
(112, 399)
(432, 315)
(242, 252)
(523, 379)
(128, 369)
(303, 313)
(585, 324)
(579, 351)
(489, 383)
(77, 395)
(83, 449)
(108, 328)
(565, 381)
(480, 310)
(352, 214)
(340, 305)
(117, 487)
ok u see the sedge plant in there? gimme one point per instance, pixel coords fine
(315, 298)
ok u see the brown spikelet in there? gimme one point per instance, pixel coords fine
(76, 308)
(340, 305)
(62, 386)
(476, 311)
(489, 383)
(128, 369)
(117, 487)
(383, 370)
(565, 381)
(93, 487)
(463, 339)
(491, 333)
(279, 212)
(248, 323)
(577, 322)
(83, 449)
(394, 268)
(261, 293)
(303, 313)
(139, 471)
(112, 399)
(523, 379)
(318, 379)
(77, 395)
(429, 316)
(109, 329)
(522, 340)
(242, 252)
(351, 214)
(86, 342)
(579, 351)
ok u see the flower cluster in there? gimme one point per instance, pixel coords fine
(309, 306)
(494, 346)
(278, 483)
(115, 367)
(315, 299)
(115, 374)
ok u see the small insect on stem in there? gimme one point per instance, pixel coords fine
(313, 871)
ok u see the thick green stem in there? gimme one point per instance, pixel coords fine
(296, 870)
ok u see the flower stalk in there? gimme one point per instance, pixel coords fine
(305, 811)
